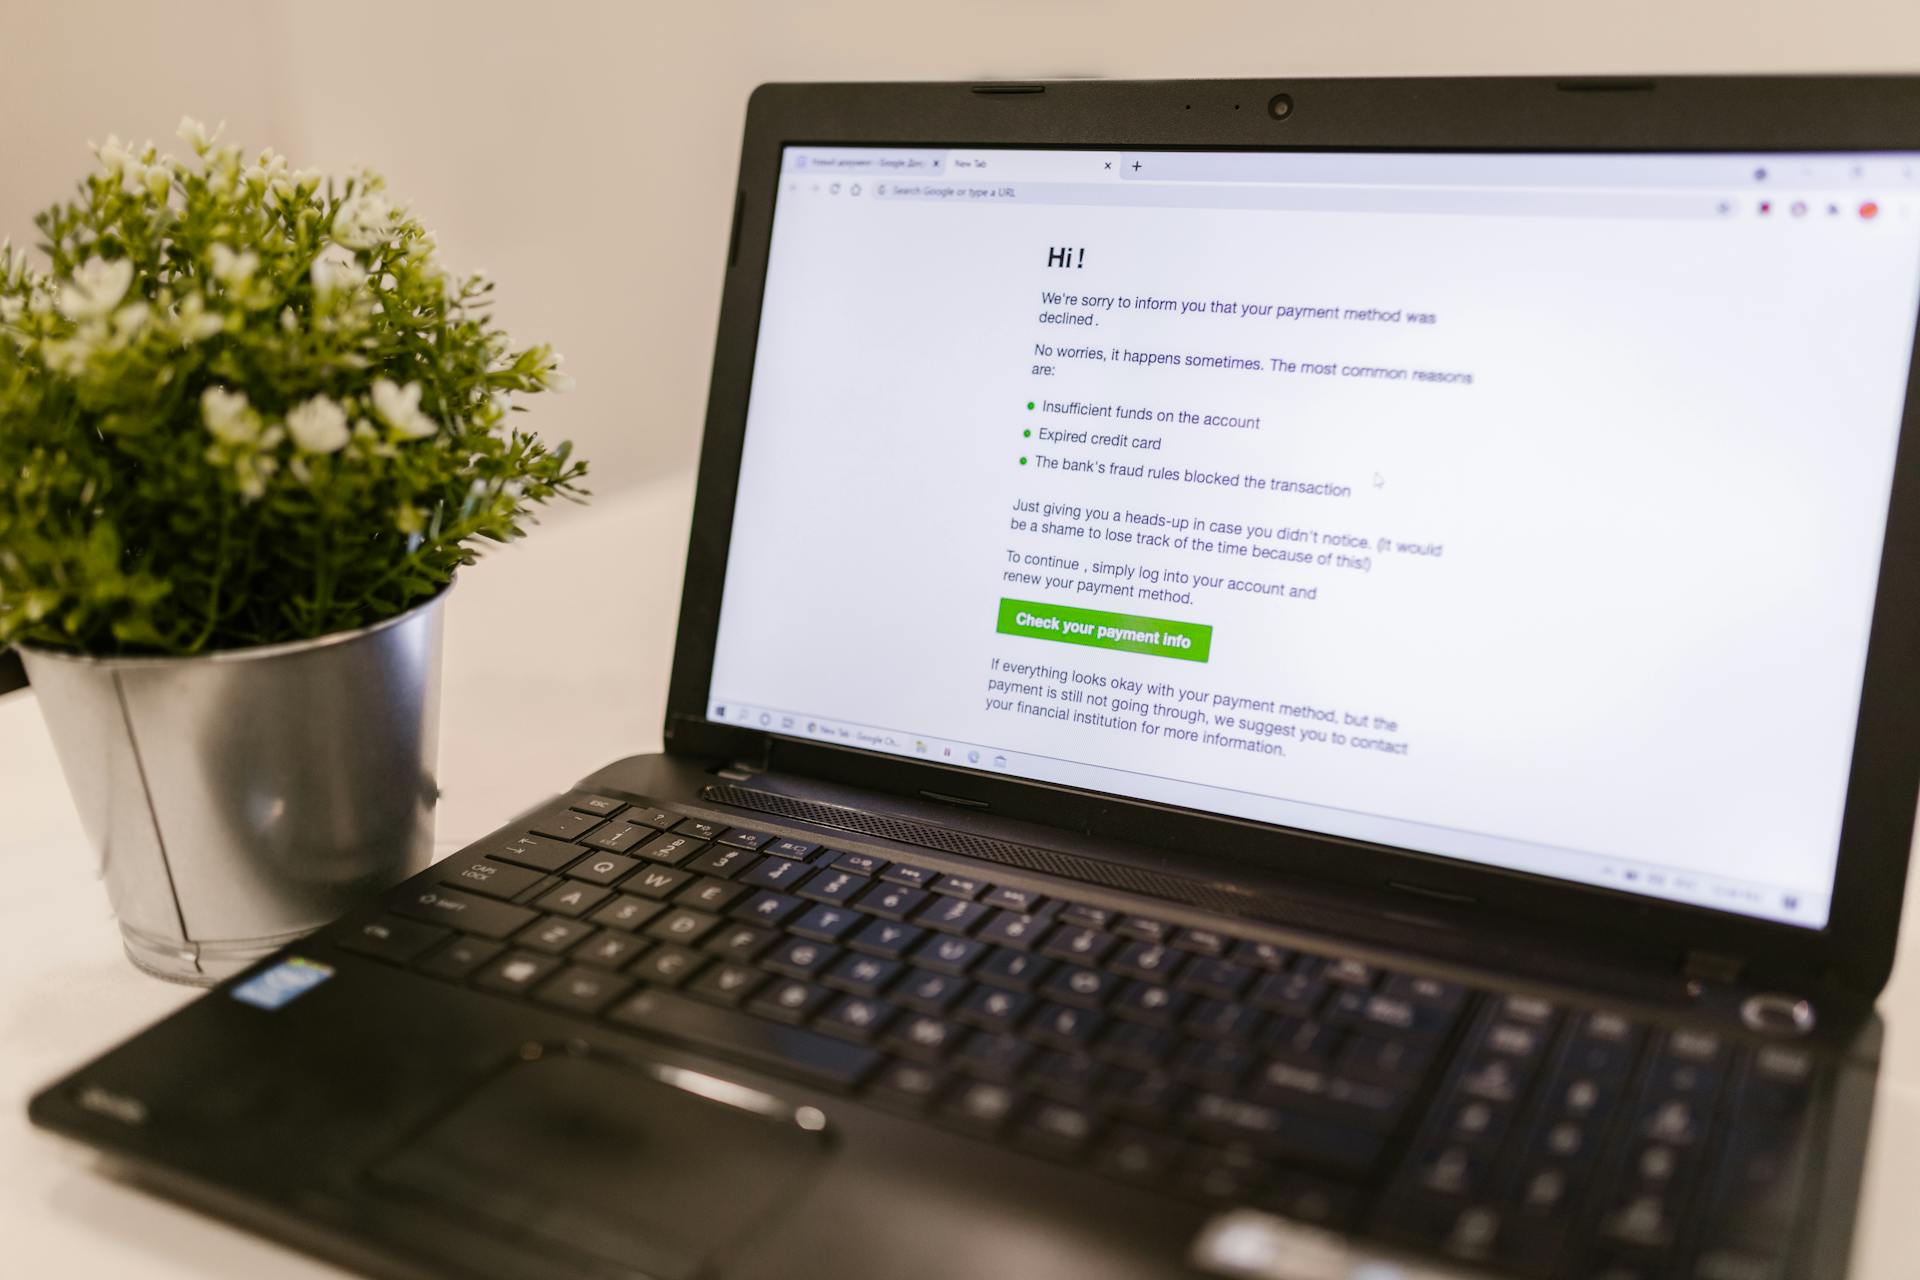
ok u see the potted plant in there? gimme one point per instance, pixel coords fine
(249, 429)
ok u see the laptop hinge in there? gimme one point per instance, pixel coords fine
(1712, 966)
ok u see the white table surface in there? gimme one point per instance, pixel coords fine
(527, 707)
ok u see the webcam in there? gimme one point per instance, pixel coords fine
(1280, 106)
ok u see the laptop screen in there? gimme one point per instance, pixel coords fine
(1524, 509)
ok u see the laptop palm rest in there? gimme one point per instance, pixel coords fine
(611, 1162)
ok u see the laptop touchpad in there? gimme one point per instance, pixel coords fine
(662, 1171)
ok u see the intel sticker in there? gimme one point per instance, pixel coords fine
(292, 977)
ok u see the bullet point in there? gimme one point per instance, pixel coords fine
(1029, 404)
(1026, 435)
(1023, 462)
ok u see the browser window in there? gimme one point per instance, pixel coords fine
(1521, 509)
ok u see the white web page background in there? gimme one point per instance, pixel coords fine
(1659, 503)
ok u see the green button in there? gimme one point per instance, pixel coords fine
(1099, 629)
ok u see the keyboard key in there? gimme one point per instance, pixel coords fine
(500, 880)
(1063, 1027)
(1222, 979)
(698, 828)
(804, 1053)
(789, 1000)
(601, 868)
(885, 938)
(968, 887)
(1222, 1020)
(767, 908)
(564, 824)
(1427, 991)
(891, 901)
(928, 992)
(1216, 1066)
(1007, 898)
(571, 898)
(658, 882)
(908, 874)
(1529, 1009)
(1301, 1041)
(1081, 916)
(659, 819)
(667, 965)
(1078, 945)
(798, 850)
(993, 1057)
(517, 972)
(464, 911)
(394, 940)
(1056, 1129)
(537, 852)
(923, 1037)
(610, 949)
(1138, 1156)
(799, 958)
(1155, 1005)
(992, 1010)
(861, 864)
(861, 975)
(460, 957)
(1148, 1098)
(951, 915)
(741, 838)
(672, 850)
(1149, 961)
(1387, 1015)
(618, 837)
(1266, 956)
(908, 1085)
(825, 923)
(829, 885)
(775, 873)
(553, 935)
(1088, 988)
(626, 912)
(945, 954)
(1350, 973)
(683, 926)
(856, 1018)
(1384, 1061)
(599, 806)
(726, 984)
(1135, 1045)
(1143, 929)
(739, 943)
(582, 990)
(1009, 930)
(1201, 941)
(979, 1106)
(1298, 994)
(1012, 969)
(721, 860)
(709, 894)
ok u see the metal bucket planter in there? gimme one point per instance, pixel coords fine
(242, 798)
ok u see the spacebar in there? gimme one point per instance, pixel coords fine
(736, 1035)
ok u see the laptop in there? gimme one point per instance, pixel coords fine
(1298, 681)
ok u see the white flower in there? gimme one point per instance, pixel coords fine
(195, 134)
(96, 288)
(552, 379)
(363, 221)
(234, 269)
(194, 322)
(160, 178)
(228, 416)
(318, 426)
(10, 309)
(130, 319)
(399, 408)
(113, 156)
(332, 276)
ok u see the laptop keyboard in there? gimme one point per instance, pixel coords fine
(1506, 1131)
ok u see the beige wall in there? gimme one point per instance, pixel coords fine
(583, 153)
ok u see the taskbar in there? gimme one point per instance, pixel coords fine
(1685, 885)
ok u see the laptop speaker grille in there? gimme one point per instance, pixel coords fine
(1265, 906)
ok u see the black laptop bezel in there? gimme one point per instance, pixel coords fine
(1811, 114)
